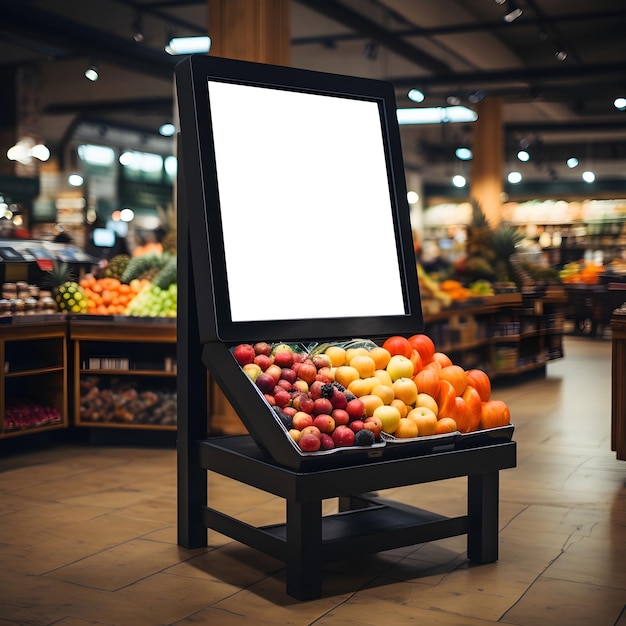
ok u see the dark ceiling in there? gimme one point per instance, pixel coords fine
(447, 48)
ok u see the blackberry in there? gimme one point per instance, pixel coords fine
(349, 396)
(327, 391)
(339, 386)
(364, 437)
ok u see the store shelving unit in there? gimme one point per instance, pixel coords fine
(33, 378)
(124, 373)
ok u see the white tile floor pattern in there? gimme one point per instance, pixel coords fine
(88, 534)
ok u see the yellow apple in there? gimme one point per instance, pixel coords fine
(400, 366)
(424, 399)
(425, 419)
(389, 416)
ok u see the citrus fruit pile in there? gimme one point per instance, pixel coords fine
(353, 393)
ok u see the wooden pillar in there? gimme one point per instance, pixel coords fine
(488, 161)
(251, 30)
(248, 30)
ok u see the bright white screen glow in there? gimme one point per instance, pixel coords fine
(305, 203)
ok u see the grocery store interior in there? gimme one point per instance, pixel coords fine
(145, 479)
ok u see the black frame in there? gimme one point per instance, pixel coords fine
(202, 198)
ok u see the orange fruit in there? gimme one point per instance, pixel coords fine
(403, 408)
(406, 428)
(384, 392)
(445, 425)
(364, 364)
(371, 403)
(345, 374)
(381, 357)
(362, 386)
(337, 355)
(352, 352)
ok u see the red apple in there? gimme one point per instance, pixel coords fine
(340, 416)
(290, 411)
(321, 360)
(327, 442)
(263, 361)
(302, 402)
(302, 420)
(324, 422)
(265, 382)
(322, 405)
(284, 384)
(307, 371)
(343, 436)
(355, 409)
(262, 347)
(315, 389)
(374, 424)
(309, 443)
(288, 374)
(270, 399)
(282, 397)
(274, 371)
(357, 425)
(338, 399)
(283, 358)
(312, 430)
(324, 375)
(244, 353)
(298, 357)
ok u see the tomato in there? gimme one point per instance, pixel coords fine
(474, 404)
(417, 361)
(481, 382)
(424, 345)
(428, 381)
(461, 414)
(446, 399)
(456, 375)
(398, 345)
(494, 413)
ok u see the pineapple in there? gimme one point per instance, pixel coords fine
(505, 240)
(68, 294)
(116, 266)
(168, 223)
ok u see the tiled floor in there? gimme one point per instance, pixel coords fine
(88, 534)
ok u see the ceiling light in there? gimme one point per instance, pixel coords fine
(572, 162)
(620, 103)
(512, 11)
(453, 100)
(589, 176)
(138, 29)
(412, 197)
(127, 215)
(167, 129)
(415, 95)
(523, 156)
(91, 73)
(458, 180)
(435, 115)
(560, 54)
(476, 96)
(464, 154)
(514, 178)
(75, 180)
(41, 152)
(188, 45)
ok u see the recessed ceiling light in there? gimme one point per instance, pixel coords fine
(620, 103)
(523, 156)
(435, 115)
(167, 129)
(464, 154)
(589, 176)
(514, 178)
(188, 45)
(415, 95)
(459, 181)
(572, 162)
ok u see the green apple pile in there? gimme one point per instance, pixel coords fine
(152, 301)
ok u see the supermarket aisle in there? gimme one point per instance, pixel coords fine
(88, 534)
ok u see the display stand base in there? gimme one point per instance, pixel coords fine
(365, 522)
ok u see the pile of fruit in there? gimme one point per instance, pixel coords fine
(141, 287)
(360, 393)
(581, 272)
(23, 414)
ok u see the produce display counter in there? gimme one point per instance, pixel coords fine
(222, 302)
(618, 383)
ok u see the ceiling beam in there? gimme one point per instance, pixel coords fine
(371, 30)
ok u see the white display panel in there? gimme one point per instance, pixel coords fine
(307, 217)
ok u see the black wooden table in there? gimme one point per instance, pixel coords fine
(365, 522)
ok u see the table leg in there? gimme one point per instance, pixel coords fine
(304, 550)
(482, 505)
